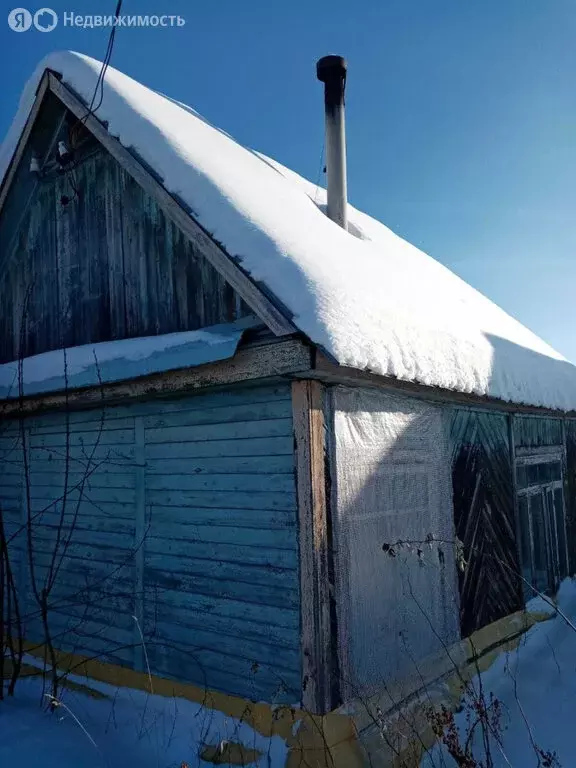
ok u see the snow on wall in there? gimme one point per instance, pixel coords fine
(373, 301)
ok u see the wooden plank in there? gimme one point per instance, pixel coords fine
(175, 621)
(214, 672)
(97, 611)
(181, 628)
(222, 415)
(279, 358)
(281, 537)
(190, 581)
(517, 522)
(102, 455)
(97, 472)
(284, 558)
(22, 555)
(114, 228)
(250, 576)
(257, 482)
(117, 495)
(484, 518)
(24, 136)
(92, 509)
(539, 454)
(224, 607)
(88, 440)
(139, 541)
(219, 499)
(100, 579)
(222, 517)
(308, 414)
(213, 253)
(84, 523)
(89, 556)
(120, 416)
(47, 536)
(235, 431)
(97, 423)
(263, 465)
(229, 449)
(112, 649)
(87, 477)
(11, 492)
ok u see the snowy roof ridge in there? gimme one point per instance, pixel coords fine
(370, 299)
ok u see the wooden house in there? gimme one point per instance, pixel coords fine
(287, 461)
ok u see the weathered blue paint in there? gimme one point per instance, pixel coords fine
(184, 514)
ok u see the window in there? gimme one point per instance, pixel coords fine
(541, 519)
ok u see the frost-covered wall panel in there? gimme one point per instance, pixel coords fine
(396, 602)
(484, 517)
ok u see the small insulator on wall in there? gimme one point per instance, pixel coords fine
(64, 154)
(34, 164)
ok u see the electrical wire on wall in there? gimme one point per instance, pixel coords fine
(93, 107)
(98, 94)
(63, 157)
(321, 170)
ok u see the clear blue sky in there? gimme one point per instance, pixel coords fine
(461, 117)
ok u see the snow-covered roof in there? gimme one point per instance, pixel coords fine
(367, 297)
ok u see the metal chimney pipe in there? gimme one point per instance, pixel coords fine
(331, 70)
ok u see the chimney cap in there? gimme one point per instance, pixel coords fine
(331, 67)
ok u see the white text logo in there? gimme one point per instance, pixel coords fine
(20, 20)
(45, 20)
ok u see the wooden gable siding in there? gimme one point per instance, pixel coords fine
(186, 520)
(107, 265)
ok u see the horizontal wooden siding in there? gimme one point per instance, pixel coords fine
(181, 513)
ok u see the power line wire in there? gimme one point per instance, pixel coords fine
(99, 87)
(93, 107)
(320, 167)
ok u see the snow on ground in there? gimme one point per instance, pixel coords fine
(128, 728)
(536, 685)
(369, 298)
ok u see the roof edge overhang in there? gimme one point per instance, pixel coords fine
(329, 371)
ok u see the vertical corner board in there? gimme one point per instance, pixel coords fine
(308, 416)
